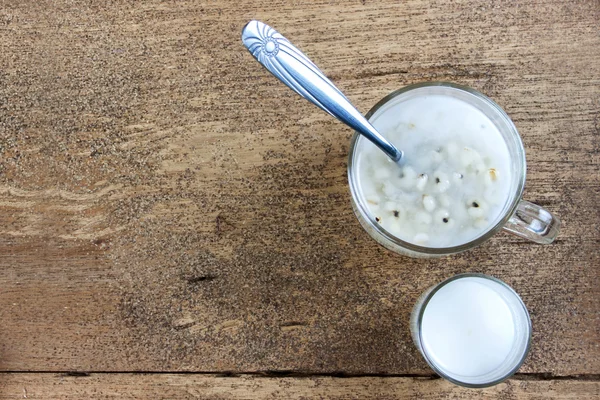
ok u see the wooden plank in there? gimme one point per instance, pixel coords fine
(166, 205)
(169, 386)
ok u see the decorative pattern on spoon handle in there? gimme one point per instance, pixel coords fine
(293, 68)
(285, 61)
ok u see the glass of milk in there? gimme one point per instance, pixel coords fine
(472, 330)
(460, 181)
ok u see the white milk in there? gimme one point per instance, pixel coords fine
(453, 181)
(468, 328)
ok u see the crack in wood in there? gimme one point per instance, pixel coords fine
(201, 278)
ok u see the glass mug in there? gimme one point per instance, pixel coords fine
(518, 216)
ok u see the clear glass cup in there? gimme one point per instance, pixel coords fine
(521, 328)
(518, 216)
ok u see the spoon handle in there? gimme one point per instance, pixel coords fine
(293, 68)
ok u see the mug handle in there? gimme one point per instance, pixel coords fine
(534, 223)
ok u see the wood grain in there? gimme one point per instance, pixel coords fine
(169, 386)
(166, 205)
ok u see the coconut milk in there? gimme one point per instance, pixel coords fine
(472, 329)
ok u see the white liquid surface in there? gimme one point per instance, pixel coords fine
(453, 181)
(467, 328)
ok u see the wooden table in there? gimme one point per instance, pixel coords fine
(175, 223)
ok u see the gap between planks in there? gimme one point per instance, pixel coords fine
(299, 374)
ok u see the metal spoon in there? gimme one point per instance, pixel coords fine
(293, 68)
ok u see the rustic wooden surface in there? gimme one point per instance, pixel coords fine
(166, 205)
(170, 386)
